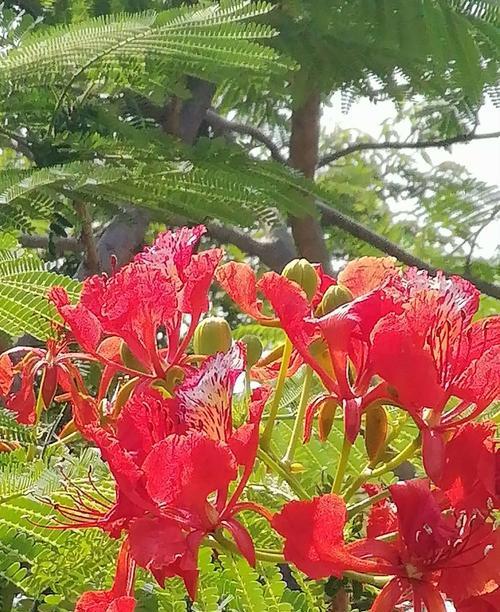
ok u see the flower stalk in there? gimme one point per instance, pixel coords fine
(342, 465)
(265, 440)
(369, 473)
(298, 425)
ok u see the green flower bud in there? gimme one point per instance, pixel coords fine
(335, 296)
(213, 335)
(303, 273)
(254, 349)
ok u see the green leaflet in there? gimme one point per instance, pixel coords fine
(23, 289)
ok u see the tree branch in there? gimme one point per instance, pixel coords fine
(275, 252)
(422, 144)
(91, 264)
(219, 122)
(349, 225)
(17, 143)
(62, 245)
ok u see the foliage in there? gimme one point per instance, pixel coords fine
(23, 287)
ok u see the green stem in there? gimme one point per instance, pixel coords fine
(368, 473)
(342, 465)
(298, 426)
(407, 452)
(265, 440)
(72, 436)
(366, 503)
(378, 581)
(248, 387)
(278, 469)
(221, 543)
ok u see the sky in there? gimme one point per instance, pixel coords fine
(480, 157)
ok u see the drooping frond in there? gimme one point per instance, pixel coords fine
(203, 42)
(212, 182)
(23, 288)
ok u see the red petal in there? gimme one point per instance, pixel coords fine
(398, 589)
(489, 602)
(471, 484)
(239, 281)
(423, 532)
(382, 519)
(433, 453)
(399, 356)
(84, 324)
(173, 249)
(125, 471)
(366, 273)
(185, 469)
(242, 539)
(23, 402)
(205, 396)
(430, 596)
(147, 418)
(472, 568)
(198, 277)
(156, 542)
(6, 374)
(314, 538)
(104, 601)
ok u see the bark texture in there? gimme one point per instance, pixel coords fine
(304, 147)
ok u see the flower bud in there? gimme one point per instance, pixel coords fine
(129, 359)
(304, 274)
(375, 431)
(297, 468)
(334, 296)
(326, 417)
(254, 349)
(319, 352)
(213, 335)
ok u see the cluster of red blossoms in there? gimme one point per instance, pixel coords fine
(162, 418)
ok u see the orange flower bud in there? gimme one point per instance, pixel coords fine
(375, 431)
(319, 351)
(326, 417)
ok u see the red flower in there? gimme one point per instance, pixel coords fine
(17, 381)
(470, 468)
(432, 341)
(119, 598)
(173, 461)
(431, 351)
(453, 553)
(153, 292)
(345, 333)
(314, 539)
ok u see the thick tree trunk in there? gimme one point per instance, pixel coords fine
(304, 146)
